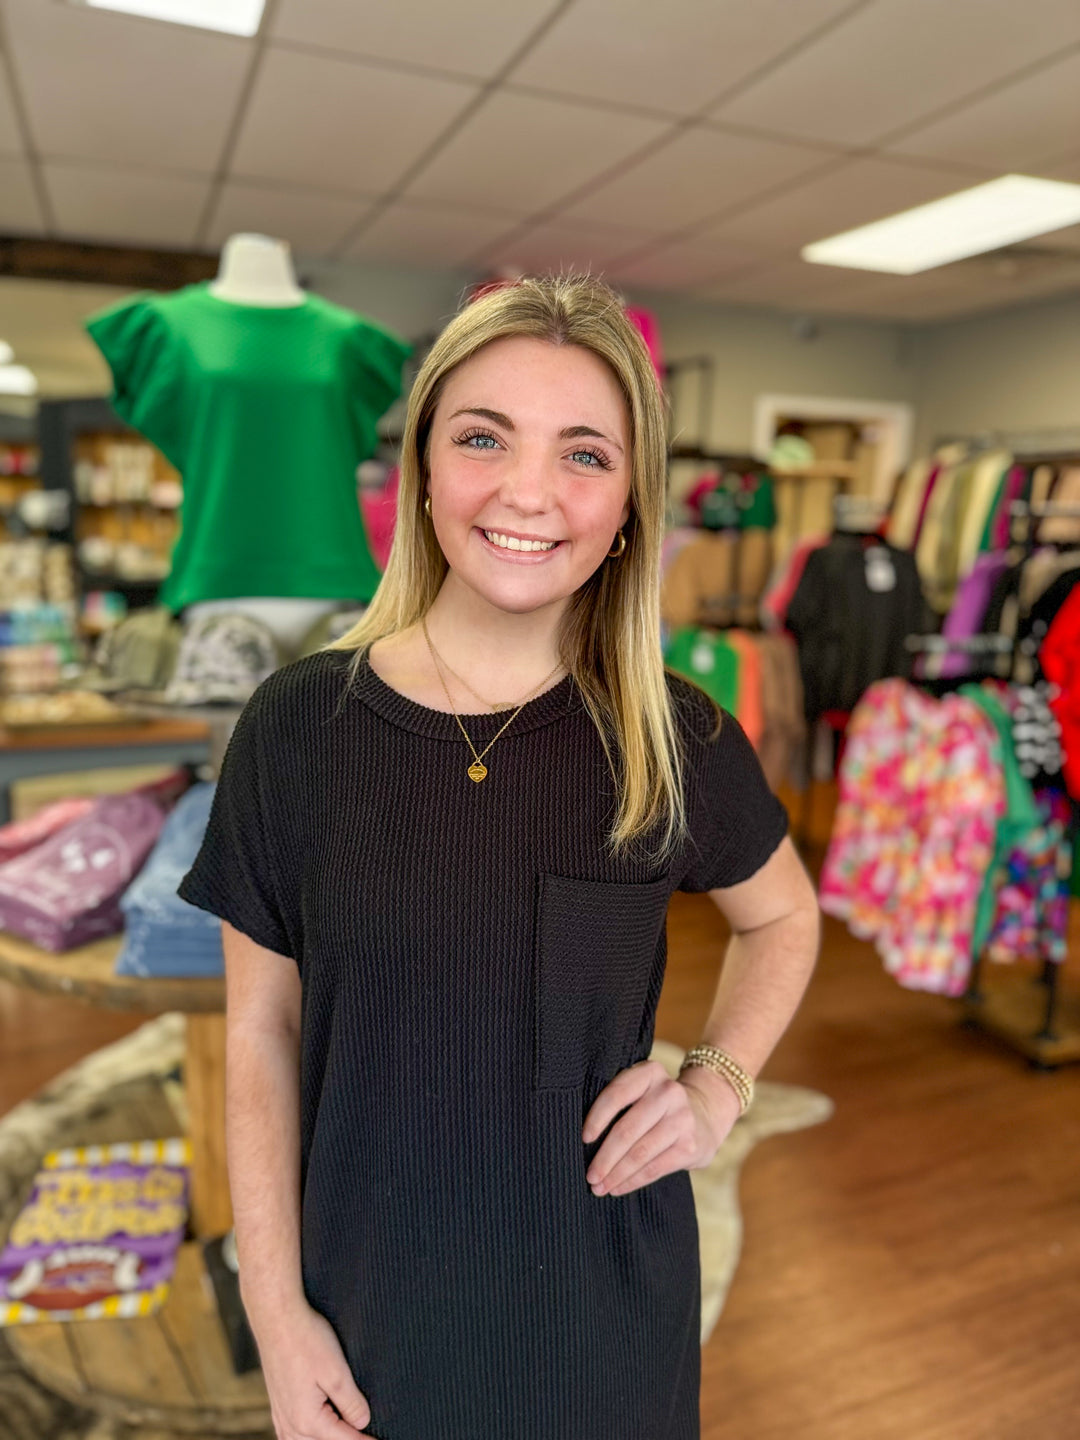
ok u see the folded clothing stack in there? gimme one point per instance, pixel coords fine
(18, 836)
(164, 935)
(66, 891)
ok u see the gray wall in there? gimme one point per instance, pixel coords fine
(1014, 370)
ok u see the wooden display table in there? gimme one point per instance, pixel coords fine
(172, 1369)
(167, 737)
(86, 974)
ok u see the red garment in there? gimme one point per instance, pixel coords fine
(1059, 656)
(778, 598)
(931, 481)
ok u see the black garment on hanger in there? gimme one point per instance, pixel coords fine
(850, 622)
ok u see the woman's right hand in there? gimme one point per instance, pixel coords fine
(308, 1378)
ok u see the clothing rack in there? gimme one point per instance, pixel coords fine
(1010, 1013)
(1050, 443)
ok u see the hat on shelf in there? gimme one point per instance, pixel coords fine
(140, 653)
(223, 658)
(329, 628)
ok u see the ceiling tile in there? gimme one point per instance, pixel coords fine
(124, 206)
(698, 173)
(687, 264)
(897, 60)
(11, 141)
(1013, 128)
(20, 213)
(1064, 239)
(313, 223)
(102, 86)
(855, 193)
(526, 153)
(1060, 167)
(562, 245)
(439, 236)
(786, 284)
(341, 124)
(674, 57)
(472, 37)
(955, 301)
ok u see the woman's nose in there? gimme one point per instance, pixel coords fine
(527, 483)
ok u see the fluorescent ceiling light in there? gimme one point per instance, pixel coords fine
(235, 17)
(1016, 207)
(17, 380)
(6, 353)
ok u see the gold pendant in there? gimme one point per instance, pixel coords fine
(477, 771)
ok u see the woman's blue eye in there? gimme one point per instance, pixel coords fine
(594, 461)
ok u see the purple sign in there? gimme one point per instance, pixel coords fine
(98, 1234)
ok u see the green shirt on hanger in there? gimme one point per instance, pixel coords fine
(706, 657)
(266, 411)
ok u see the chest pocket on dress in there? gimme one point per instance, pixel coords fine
(595, 949)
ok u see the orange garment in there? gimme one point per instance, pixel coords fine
(750, 713)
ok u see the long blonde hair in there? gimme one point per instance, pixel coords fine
(609, 635)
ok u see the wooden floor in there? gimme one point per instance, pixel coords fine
(911, 1268)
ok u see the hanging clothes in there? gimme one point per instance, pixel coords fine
(967, 613)
(1059, 659)
(782, 750)
(921, 790)
(749, 713)
(705, 657)
(857, 601)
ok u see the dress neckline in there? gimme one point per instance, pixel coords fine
(553, 704)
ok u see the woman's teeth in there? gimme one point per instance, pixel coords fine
(511, 542)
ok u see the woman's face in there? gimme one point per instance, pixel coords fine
(529, 443)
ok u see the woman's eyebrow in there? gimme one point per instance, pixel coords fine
(572, 432)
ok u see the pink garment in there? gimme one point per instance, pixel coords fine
(649, 326)
(379, 509)
(921, 789)
(697, 492)
(21, 835)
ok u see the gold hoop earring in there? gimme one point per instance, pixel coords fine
(614, 554)
(427, 506)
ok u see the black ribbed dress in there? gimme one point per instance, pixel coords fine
(475, 969)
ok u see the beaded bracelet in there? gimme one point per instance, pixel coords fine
(713, 1058)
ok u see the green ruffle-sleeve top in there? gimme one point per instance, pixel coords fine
(266, 412)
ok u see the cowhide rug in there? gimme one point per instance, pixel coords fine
(129, 1078)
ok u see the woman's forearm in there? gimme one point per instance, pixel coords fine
(764, 977)
(263, 1142)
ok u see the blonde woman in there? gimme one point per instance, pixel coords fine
(444, 848)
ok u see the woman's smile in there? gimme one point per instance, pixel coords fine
(517, 549)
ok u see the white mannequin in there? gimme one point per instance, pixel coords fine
(258, 270)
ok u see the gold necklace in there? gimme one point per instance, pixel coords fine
(478, 770)
(495, 705)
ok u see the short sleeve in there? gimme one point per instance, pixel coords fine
(233, 876)
(736, 822)
(374, 360)
(144, 357)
